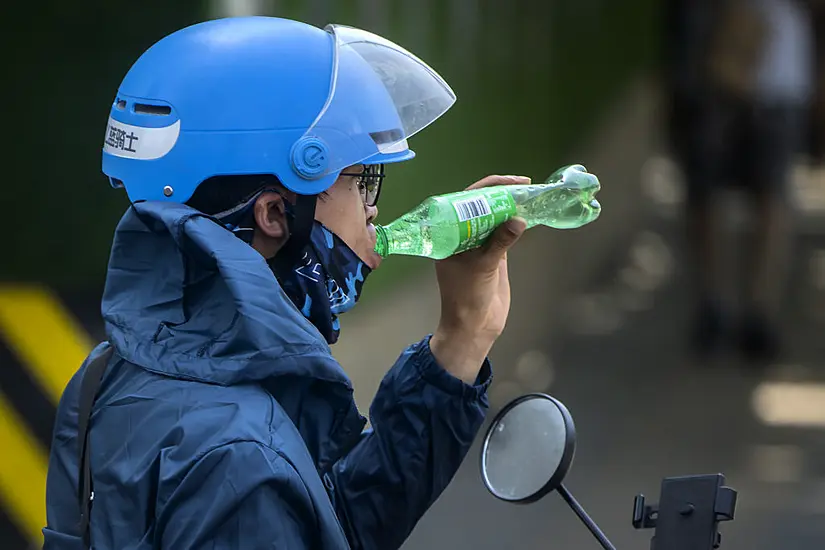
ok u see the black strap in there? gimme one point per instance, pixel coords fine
(300, 228)
(89, 386)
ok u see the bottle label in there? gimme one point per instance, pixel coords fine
(479, 213)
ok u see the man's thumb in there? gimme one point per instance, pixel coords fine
(506, 235)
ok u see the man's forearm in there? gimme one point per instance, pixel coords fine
(460, 354)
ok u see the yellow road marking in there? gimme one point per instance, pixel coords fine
(46, 339)
(23, 467)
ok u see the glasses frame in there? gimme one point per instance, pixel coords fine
(372, 175)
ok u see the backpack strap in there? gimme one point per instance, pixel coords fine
(89, 386)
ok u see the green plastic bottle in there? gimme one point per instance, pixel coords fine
(449, 224)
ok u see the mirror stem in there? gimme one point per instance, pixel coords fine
(574, 504)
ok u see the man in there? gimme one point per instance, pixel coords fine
(222, 420)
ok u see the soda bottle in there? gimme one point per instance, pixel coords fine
(449, 224)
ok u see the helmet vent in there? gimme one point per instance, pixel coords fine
(157, 110)
(121, 104)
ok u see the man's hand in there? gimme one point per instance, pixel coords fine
(475, 296)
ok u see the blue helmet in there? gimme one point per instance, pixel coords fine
(263, 95)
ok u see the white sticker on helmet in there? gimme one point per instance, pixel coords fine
(138, 142)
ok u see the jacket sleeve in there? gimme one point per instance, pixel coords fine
(424, 421)
(240, 495)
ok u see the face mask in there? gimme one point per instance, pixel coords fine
(326, 282)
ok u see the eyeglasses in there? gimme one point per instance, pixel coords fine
(369, 182)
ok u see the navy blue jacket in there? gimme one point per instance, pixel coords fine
(223, 421)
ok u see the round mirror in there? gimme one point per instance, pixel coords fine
(528, 449)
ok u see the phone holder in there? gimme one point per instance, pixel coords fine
(688, 514)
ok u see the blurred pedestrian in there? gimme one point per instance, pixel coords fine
(741, 81)
(818, 119)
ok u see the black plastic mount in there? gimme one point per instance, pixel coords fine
(689, 511)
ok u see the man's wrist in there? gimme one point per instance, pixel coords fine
(460, 353)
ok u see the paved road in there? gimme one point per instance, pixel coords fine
(610, 345)
(644, 411)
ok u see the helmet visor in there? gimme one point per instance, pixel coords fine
(380, 95)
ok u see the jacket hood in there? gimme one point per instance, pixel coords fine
(186, 298)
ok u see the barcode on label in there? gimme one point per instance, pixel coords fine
(472, 208)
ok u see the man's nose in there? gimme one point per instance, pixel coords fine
(371, 212)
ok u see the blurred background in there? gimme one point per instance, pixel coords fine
(682, 329)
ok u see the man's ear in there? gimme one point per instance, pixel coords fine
(270, 216)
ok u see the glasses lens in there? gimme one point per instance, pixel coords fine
(371, 183)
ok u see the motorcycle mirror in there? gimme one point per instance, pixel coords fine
(528, 449)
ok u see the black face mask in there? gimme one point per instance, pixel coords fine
(327, 280)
